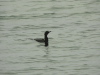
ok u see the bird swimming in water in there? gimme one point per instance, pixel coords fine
(45, 40)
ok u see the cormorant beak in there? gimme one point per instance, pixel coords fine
(49, 31)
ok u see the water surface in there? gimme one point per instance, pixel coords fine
(74, 47)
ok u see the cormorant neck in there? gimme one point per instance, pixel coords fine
(46, 40)
(45, 36)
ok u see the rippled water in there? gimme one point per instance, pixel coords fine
(74, 47)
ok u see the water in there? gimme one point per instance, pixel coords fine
(74, 47)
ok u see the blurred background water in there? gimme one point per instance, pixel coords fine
(74, 47)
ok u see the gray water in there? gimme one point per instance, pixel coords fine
(74, 44)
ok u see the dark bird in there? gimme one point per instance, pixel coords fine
(45, 40)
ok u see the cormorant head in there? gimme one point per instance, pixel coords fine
(47, 32)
